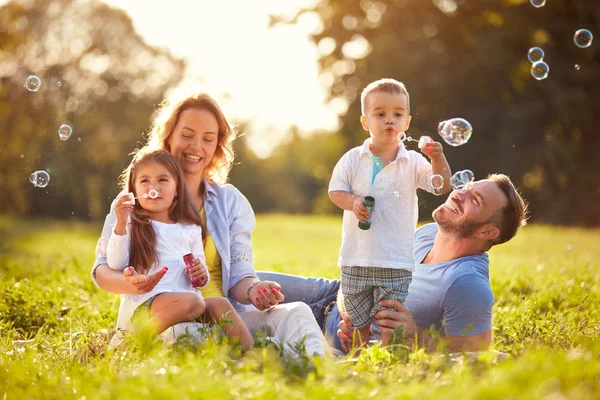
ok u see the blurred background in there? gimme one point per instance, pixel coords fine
(289, 74)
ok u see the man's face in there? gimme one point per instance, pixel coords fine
(465, 212)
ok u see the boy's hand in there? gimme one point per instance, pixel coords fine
(198, 272)
(433, 150)
(122, 211)
(361, 212)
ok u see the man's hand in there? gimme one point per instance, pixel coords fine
(345, 332)
(398, 315)
(266, 294)
(141, 283)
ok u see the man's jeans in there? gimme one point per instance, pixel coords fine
(318, 293)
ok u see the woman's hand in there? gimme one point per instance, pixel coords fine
(198, 272)
(141, 284)
(265, 294)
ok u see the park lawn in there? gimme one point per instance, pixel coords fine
(547, 317)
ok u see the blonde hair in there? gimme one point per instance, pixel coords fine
(167, 116)
(143, 237)
(387, 85)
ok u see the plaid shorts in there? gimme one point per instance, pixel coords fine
(364, 287)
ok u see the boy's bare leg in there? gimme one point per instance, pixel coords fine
(168, 309)
(362, 336)
(218, 308)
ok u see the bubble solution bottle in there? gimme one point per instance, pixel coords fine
(368, 202)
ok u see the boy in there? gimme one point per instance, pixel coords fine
(377, 263)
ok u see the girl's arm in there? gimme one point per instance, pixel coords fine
(126, 282)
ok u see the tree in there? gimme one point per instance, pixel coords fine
(469, 59)
(99, 76)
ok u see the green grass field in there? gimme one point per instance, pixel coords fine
(547, 317)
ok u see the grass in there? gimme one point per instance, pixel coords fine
(547, 316)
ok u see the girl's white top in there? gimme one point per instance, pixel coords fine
(230, 221)
(173, 241)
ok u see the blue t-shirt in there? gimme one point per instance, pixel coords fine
(456, 294)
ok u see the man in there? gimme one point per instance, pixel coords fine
(450, 290)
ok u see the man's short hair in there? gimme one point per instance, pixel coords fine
(387, 85)
(512, 216)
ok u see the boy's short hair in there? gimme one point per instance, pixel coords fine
(387, 85)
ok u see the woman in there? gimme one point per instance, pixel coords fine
(196, 132)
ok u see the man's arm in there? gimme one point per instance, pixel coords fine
(399, 315)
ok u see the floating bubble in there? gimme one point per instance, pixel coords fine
(437, 181)
(64, 132)
(39, 179)
(423, 140)
(583, 38)
(455, 131)
(396, 194)
(461, 179)
(58, 84)
(540, 70)
(577, 67)
(467, 175)
(535, 54)
(33, 83)
(538, 3)
(153, 193)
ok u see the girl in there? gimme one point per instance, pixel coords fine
(164, 226)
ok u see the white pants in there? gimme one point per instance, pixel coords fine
(288, 324)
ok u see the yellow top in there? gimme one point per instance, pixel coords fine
(213, 264)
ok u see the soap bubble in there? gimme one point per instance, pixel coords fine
(437, 181)
(455, 131)
(535, 54)
(540, 70)
(538, 3)
(396, 194)
(33, 83)
(153, 193)
(423, 140)
(39, 179)
(577, 67)
(461, 179)
(64, 132)
(583, 38)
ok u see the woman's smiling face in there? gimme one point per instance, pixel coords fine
(194, 139)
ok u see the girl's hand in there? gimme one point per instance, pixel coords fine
(122, 211)
(265, 294)
(433, 150)
(198, 271)
(141, 283)
(361, 212)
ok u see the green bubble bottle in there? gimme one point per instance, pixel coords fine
(368, 202)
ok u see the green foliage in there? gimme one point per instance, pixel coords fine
(469, 59)
(55, 327)
(98, 76)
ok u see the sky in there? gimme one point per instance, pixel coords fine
(267, 75)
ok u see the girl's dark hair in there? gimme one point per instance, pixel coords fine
(143, 254)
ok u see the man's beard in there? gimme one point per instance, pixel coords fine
(464, 230)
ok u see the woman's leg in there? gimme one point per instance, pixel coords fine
(168, 309)
(218, 308)
(289, 324)
(317, 293)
